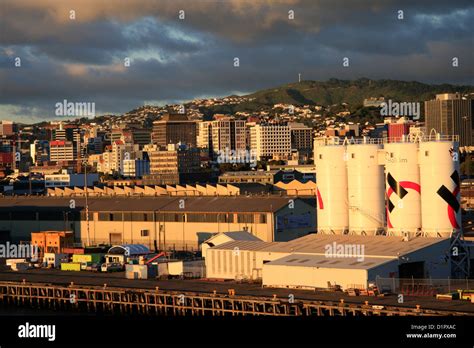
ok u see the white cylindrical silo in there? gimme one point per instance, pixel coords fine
(402, 187)
(331, 179)
(365, 189)
(440, 196)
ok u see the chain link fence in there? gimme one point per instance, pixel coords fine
(423, 287)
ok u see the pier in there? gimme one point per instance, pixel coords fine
(132, 301)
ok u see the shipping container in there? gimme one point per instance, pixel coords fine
(54, 260)
(194, 269)
(71, 266)
(92, 258)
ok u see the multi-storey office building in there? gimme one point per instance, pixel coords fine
(450, 114)
(271, 141)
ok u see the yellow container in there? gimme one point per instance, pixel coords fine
(81, 258)
(72, 266)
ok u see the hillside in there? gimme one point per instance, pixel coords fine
(336, 91)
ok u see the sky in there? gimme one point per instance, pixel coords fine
(180, 49)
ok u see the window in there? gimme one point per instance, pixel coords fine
(51, 216)
(83, 216)
(245, 218)
(170, 217)
(110, 216)
(141, 216)
(23, 215)
(144, 233)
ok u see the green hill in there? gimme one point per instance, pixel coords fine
(336, 91)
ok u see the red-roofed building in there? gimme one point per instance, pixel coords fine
(61, 150)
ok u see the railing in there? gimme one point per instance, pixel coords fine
(424, 286)
(409, 138)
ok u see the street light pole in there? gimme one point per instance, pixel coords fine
(87, 202)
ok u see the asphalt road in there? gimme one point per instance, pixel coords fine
(204, 286)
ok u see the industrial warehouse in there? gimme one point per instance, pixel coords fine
(180, 223)
(309, 262)
(398, 203)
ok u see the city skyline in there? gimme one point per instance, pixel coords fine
(178, 56)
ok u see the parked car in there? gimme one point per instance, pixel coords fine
(112, 267)
(95, 267)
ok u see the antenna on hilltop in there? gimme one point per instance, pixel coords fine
(299, 77)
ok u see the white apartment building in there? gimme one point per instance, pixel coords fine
(271, 141)
(113, 160)
(203, 137)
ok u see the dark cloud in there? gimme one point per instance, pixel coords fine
(174, 60)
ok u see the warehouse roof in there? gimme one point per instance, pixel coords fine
(316, 244)
(245, 245)
(165, 204)
(379, 246)
(321, 261)
(241, 235)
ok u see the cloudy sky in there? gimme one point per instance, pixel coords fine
(173, 59)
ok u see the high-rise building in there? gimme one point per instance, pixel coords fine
(224, 133)
(39, 151)
(166, 165)
(69, 133)
(271, 141)
(301, 136)
(61, 151)
(173, 129)
(7, 128)
(450, 114)
(398, 128)
(141, 136)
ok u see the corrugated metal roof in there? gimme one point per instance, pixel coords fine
(130, 249)
(378, 246)
(165, 204)
(320, 261)
(245, 245)
(242, 235)
(315, 244)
